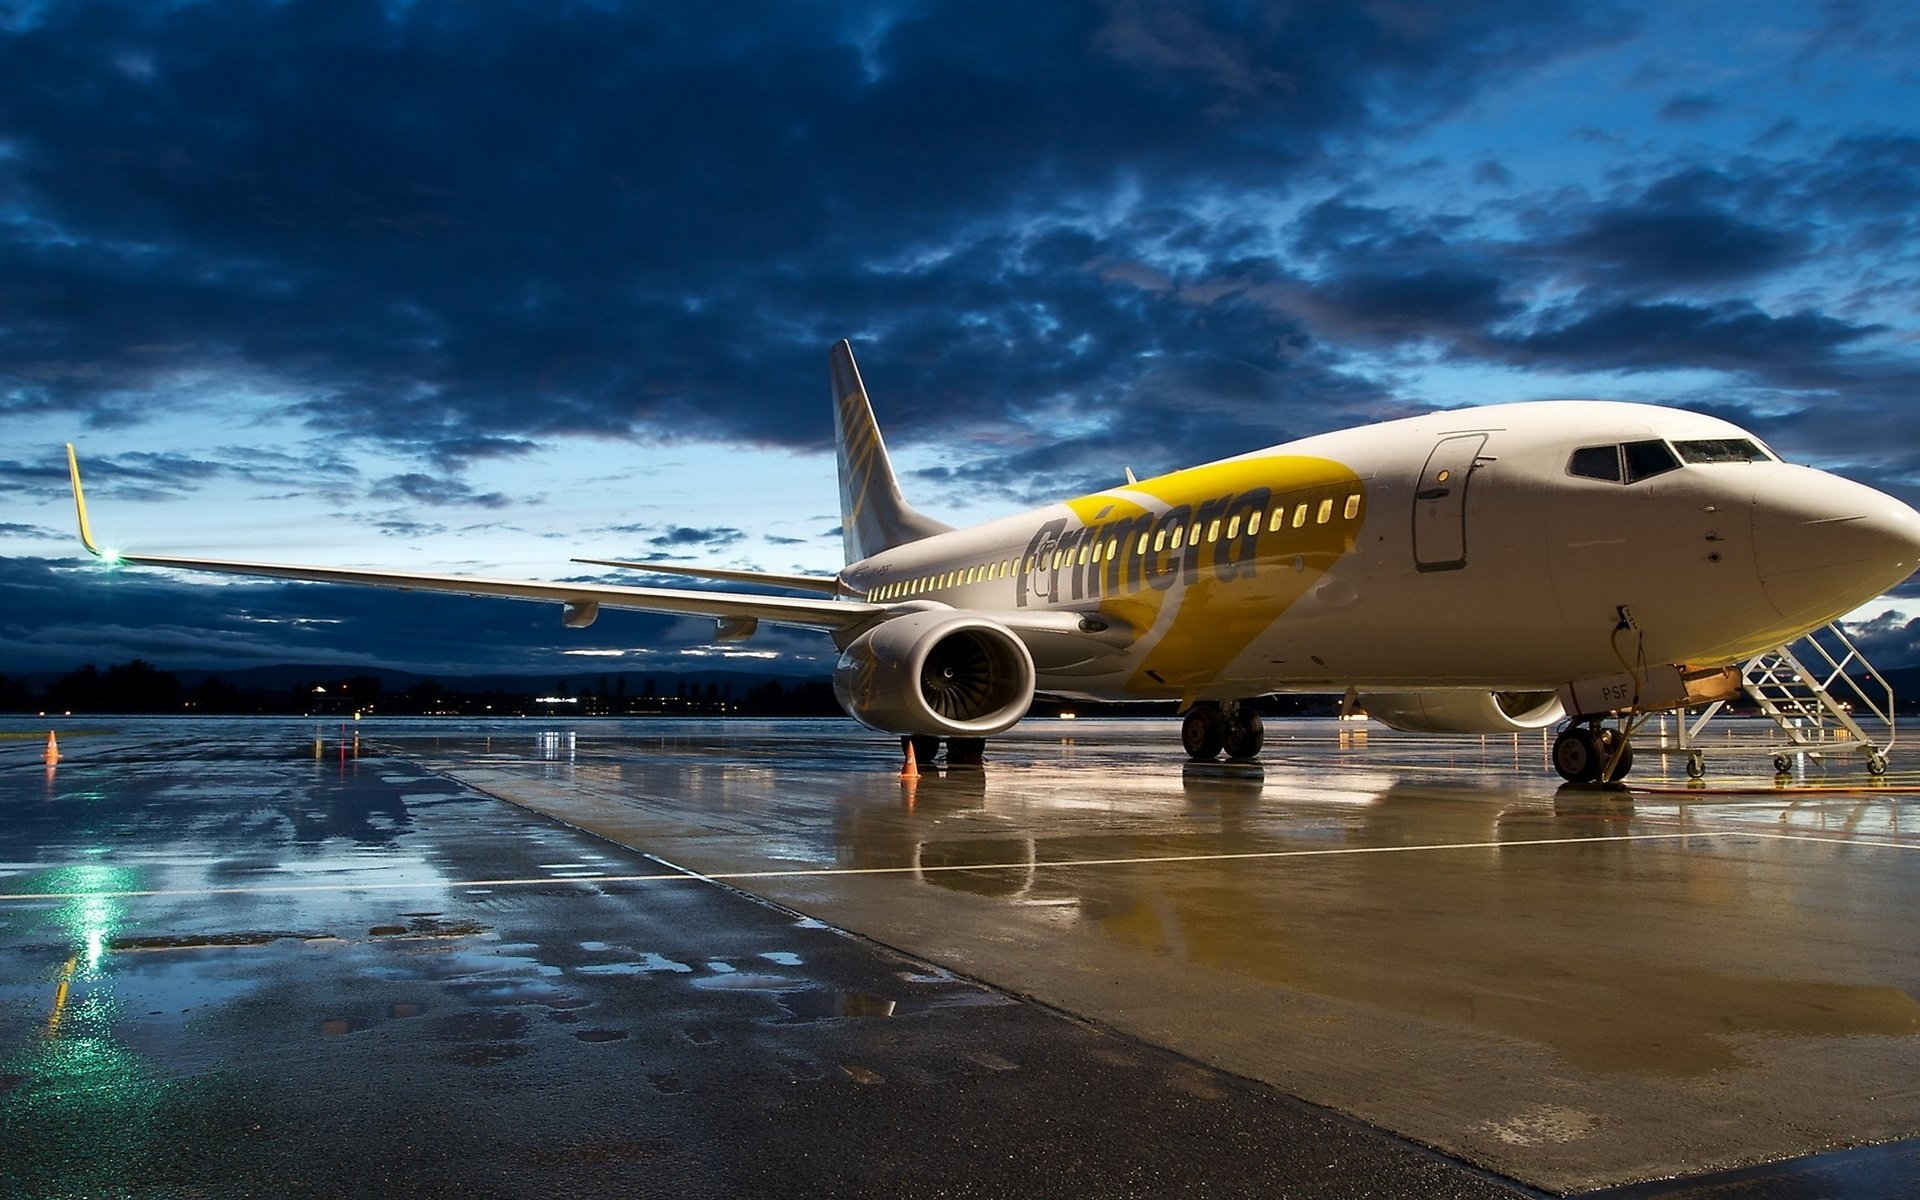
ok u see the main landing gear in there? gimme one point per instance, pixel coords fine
(961, 752)
(1586, 751)
(1216, 725)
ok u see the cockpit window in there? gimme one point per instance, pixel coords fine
(1596, 462)
(1647, 459)
(1632, 462)
(1722, 450)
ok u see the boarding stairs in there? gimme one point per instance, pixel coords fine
(1821, 693)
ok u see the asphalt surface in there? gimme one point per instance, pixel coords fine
(441, 958)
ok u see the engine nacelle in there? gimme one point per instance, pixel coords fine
(1463, 711)
(936, 673)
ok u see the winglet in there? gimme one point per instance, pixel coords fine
(80, 504)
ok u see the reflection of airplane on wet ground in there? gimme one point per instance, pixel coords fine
(1466, 571)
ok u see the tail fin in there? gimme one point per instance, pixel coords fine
(873, 516)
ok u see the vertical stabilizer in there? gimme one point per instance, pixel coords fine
(873, 516)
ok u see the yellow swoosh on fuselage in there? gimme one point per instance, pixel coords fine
(1202, 605)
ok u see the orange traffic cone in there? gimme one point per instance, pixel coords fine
(912, 769)
(53, 749)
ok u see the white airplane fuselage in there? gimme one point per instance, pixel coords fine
(1452, 550)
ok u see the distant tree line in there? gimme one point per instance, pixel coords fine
(141, 687)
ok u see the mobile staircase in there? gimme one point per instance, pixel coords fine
(1821, 693)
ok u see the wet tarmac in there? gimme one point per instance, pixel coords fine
(735, 959)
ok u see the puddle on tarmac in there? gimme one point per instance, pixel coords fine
(482, 1026)
(648, 964)
(600, 1035)
(195, 941)
(428, 925)
(341, 1026)
(743, 982)
(486, 1055)
(819, 1004)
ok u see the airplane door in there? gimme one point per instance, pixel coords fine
(1440, 503)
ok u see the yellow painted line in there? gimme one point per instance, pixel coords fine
(60, 996)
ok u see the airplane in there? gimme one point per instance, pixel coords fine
(1489, 569)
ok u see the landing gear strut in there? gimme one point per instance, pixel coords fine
(1583, 753)
(1215, 725)
(961, 751)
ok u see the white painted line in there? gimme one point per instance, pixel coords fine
(823, 872)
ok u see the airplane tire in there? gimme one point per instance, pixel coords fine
(966, 752)
(1245, 734)
(925, 749)
(1204, 732)
(1576, 755)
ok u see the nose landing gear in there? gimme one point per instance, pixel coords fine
(1588, 752)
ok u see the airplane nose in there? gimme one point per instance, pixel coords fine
(1824, 545)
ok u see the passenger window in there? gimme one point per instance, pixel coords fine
(1084, 550)
(1326, 512)
(1253, 522)
(1142, 547)
(1160, 541)
(1649, 458)
(1113, 547)
(1299, 515)
(1233, 529)
(1353, 507)
(1596, 462)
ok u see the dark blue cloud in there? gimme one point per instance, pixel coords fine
(1677, 246)
(1142, 233)
(455, 230)
(1689, 106)
(679, 536)
(1734, 337)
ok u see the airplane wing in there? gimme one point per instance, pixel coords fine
(582, 600)
(825, 585)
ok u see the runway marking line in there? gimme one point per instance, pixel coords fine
(681, 873)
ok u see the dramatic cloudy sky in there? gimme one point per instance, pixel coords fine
(480, 286)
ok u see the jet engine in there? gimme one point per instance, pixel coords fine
(1463, 711)
(936, 673)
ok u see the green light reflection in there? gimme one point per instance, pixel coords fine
(82, 1091)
